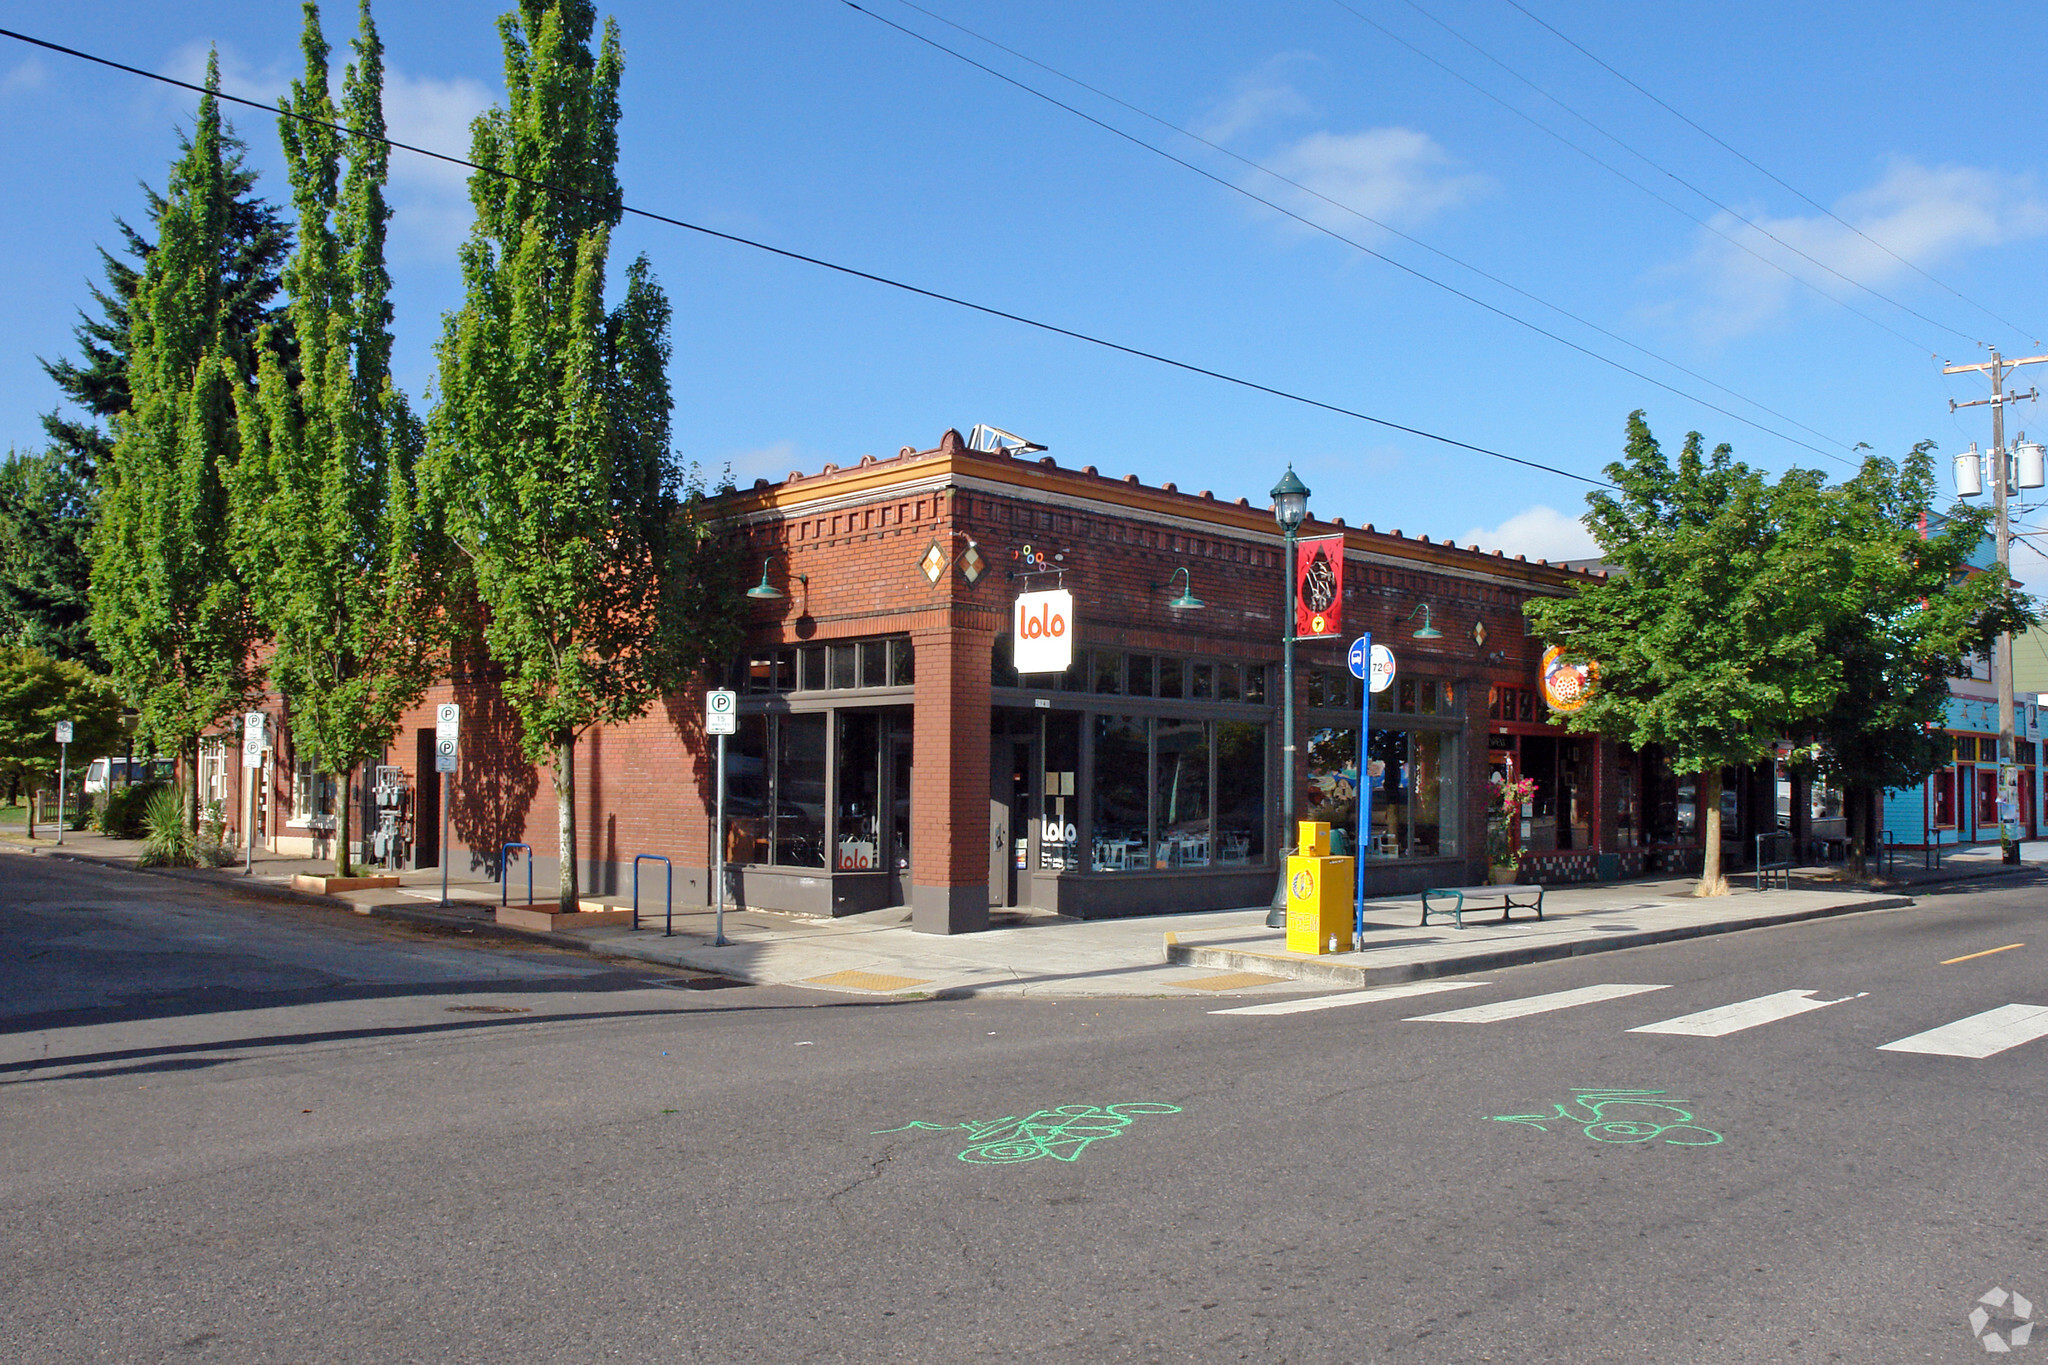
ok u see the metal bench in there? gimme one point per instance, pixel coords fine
(1510, 898)
(1774, 860)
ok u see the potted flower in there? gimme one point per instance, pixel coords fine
(1503, 855)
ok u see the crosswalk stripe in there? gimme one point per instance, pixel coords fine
(1980, 1035)
(1532, 1004)
(1366, 997)
(1723, 1020)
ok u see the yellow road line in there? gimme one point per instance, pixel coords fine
(1986, 953)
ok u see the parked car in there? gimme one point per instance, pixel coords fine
(105, 774)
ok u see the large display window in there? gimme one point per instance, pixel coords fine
(1413, 777)
(775, 791)
(1173, 793)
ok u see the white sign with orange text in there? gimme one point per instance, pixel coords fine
(1042, 627)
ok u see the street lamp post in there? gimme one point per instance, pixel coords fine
(1290, 509)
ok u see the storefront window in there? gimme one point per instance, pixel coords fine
(1170, 675)
(859, 791)
(746, 792)
(1945, 798)
(1180, 793)
(1333, 782)
(1240, 792)
(1109, 672)
(800, 791)
(1139, 670)
(1122, 832)
(1059, 840)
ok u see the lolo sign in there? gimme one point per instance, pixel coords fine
(1042, 626)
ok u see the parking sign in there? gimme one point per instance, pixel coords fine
(721, 712)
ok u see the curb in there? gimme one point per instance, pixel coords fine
(1327, 973)
(270, 891)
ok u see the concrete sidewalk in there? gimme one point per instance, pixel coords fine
(1224, 952)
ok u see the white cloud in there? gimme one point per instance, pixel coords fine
(1255, 101)
(1928, 215)
(1391, 174)
(1539, 532)
(25, 76)
(431, 211)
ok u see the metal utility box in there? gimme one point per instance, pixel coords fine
(1319, 895)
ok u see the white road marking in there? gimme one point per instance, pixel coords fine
(1723, 1020)
(1532, 1004)
(1365, 997)
(1980, 1035)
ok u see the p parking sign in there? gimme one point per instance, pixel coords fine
(721, 712)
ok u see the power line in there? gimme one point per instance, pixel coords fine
(1266, 170)
(786, 254)
(1667, 171)
(1338, 236)
(1747, 161)
(1624, 176)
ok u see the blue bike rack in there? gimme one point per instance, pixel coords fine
(669, 897)
(505, 884)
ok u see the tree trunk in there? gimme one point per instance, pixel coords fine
(565, 818)
(1855, 805)
(1712, 883)
(341, 863)
(191, 757)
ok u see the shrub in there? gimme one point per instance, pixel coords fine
(216, 846)
(165, 840)
(119, 811)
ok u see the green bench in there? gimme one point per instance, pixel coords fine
(1509, 898)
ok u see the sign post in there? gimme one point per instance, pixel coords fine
(1374, 665)
(63, 773)
(447, 744)
(254, 723)
(721, 718)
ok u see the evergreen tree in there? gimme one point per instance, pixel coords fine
(549, 449)
(49, 502)
(37, 691)
(46, 520)
(168, 611)
(324, 493)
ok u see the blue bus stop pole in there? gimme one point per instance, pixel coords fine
(1364, 793)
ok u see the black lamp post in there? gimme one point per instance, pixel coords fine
(1290, 509)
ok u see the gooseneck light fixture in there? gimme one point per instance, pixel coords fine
(1290, 510)
(1186, 601)
(1426, 631)
(768, 592)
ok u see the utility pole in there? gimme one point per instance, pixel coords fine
(2001, 655)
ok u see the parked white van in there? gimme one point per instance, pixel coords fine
(105, 774)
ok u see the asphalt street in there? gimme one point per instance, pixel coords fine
(248, 1132)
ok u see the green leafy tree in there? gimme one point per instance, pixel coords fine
(549, 449)
(1707, 644)
(37, 691)
(1902, 612)
(324, 500)
(169, 613)
(49, 500)
(46, 520)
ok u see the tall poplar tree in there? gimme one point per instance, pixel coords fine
(169, 614)
(549, 450)
(324, 498)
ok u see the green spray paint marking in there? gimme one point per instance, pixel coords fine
(1591, 1116)
(1062, 1134)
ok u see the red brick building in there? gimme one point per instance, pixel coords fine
(889, 754)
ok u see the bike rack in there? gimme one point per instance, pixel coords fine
(504, 883)
(668, 910)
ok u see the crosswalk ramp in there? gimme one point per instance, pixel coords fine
(1977, 1037)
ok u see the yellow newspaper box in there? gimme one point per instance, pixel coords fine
(1319, 896)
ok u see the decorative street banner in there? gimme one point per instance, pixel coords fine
(1567, 686)
(1319, 588)
(1042, 631)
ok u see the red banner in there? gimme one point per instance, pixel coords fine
(1319, 588)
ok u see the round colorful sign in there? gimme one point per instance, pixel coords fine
(1567, 686)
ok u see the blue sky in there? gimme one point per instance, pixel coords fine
(808, 125)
